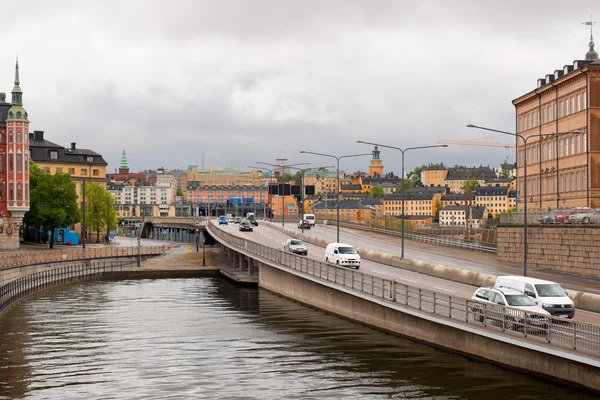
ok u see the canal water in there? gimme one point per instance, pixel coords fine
(204, 338)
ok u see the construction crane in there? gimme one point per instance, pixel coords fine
(472, 143)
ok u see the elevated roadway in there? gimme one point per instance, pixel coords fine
(270, 236)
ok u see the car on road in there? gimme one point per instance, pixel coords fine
(296, 246)
(304, 224)
(238, 220)
(223, 220)
(521, 310)
(246, 225)
(342, 254)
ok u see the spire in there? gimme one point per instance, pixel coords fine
(17, 73)
(123, 165)
(17, 112)
(591, 55)
(376, 153)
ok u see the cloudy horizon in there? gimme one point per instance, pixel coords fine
(236, 82)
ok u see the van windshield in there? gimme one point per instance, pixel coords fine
(309, 216)
(347, 250)
(550, 290)
(519, 300)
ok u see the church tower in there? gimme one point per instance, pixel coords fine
(376, 166)
(15, 193)
(123, 168)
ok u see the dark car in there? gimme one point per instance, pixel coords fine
(245, 225)
(304, 224)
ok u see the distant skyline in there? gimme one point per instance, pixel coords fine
(246, 81)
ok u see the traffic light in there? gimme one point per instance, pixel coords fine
(358, 216)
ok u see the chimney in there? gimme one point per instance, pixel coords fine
(73, 145)
(38, 135)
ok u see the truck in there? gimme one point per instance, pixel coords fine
(252, 218)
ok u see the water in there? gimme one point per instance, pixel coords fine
(204, 338)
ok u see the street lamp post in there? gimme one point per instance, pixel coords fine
(524, 139)
(139, 240)
(283, 167)
(337, 158)
(402, 187)
(302, 190)
(268, 195)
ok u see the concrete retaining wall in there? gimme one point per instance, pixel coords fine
(425, 328)
(582, 300)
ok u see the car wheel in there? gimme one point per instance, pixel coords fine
(510, 324)
(357, 267)
(477, 315)
(337, 262)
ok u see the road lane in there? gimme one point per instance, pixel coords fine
(272, 237)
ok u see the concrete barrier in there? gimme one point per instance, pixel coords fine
(582, 300)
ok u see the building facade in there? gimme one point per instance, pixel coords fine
(560, 119)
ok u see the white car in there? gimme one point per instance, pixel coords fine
(520, 310)
(296, 246)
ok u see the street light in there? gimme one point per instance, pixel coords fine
(268, 197)
(402, 187)
(302, 190)
(283, 167)
(338, 180)
(525, 139)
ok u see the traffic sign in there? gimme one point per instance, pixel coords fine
(235, 199)
(518, 200)
(248, 200)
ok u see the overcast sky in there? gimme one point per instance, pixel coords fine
(247, 81)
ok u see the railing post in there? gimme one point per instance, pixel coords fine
(419, 298)
(574, 335)
(392, 290)
(449, 306)
(434, 299)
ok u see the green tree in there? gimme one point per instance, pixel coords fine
(53, 201)
(179, 192)
(376, 192)
(468, 188)
(505, 170)
(438, 207)
(99, 209)
(407, 185)
(285, 177)
(415, 177)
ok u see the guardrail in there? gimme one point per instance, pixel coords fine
(441, 241)
(15, 290)
(531, 326)
(36, 257)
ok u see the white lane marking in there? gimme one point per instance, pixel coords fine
(443, 289)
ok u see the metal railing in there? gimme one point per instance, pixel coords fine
(36, 257)
(17, 289)
(531, 326)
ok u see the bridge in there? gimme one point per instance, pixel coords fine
(391, 294)
(179, 229)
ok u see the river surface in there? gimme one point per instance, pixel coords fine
(205, 338)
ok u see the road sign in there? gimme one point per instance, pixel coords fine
(248, 200)
(235, 200)
(518, 200)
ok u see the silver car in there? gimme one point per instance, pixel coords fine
(584, 217)
(296, 246)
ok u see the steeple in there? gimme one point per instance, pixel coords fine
(591, 55)
(376, 153)
(17, 112)
(123, 168)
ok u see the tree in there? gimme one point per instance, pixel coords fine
(179, 192)
(376, 192)
(53, 201)
(99, 210)
(437, 207)
(407, 185)
(285, 177)
(415, 177)
(505, 170)
(468, 187)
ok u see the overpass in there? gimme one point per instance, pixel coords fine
(178, 229)
(566, 350)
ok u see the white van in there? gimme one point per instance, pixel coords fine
(310, 218)
(342, 254)
(549, 295)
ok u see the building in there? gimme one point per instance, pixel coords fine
(457, 176)
(376, 164)
(134, 202)
(123, 175)
(455, 215)
(324, 181)
(417, 201)
(561, 169)
(14, 173)
(227, 176)
(434, 175)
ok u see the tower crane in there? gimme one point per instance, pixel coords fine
(473, 143)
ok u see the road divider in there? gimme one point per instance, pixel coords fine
(582, 300)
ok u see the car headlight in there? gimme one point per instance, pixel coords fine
(546, 305)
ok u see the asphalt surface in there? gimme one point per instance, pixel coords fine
(475, 261)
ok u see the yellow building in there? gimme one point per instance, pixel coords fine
(82, 164)
(421, 201)
(291, 207)
(376, 165)
(434, 175)
(228, 176)
(324, 181)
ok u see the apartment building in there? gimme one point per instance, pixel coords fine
(560, 119)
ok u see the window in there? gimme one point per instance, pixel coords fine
(560, 109)
(19, 137)
(90, 159)
(59, 170)
(548, 115)
(19, 192)
(566, 142)
(1, 163)
(95, 172)
(584, 100)
(561, 185)
(47, 170)
(584, 143)
(83, 171)
(1, 192)
(573, 181)
(550, 147)
(53, 155)
(572, 145)
(585, 179)
(11, 191)
(10, 163)
(578, 102)
(26, 158)
(555, 112)
(566, 107)
(578, 143)
(572, 104)
(10, 136)
(578, 181)
(19, 163)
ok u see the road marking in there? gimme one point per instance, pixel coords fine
(444, 289)
(408, 280)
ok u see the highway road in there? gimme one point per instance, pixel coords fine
(272, 237)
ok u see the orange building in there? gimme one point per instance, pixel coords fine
(562, 171)
(376, 165)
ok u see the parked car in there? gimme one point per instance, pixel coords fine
(549, 218)
(546, 294)
(584, 217)
(296, 246)
(304, 224)
(245, 225)
(223, 220)
(561, 216)
(521, 309)
(342, 254)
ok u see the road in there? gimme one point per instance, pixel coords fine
(269, 236)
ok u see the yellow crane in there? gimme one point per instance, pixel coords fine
(473, 143)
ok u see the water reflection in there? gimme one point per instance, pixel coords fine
(205, 338)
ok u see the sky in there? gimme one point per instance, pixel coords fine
(232, 83)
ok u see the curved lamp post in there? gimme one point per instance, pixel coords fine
(525, 139)
(302, 171)
(338, 180)
(402, 187)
